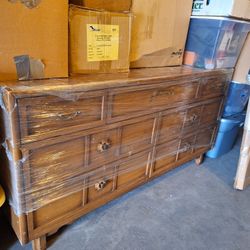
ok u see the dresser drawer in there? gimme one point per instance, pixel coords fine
(201, 141)
(51, 171)
(164, 157)
(171, 126)
(187, 146)
(213, 86)
(136, 137)
(210, 112)
(50, 115)
(100, 183)
(178, 123)
(133, 171)
(192, 118)
(205, 139)
(134, 100)
(102, 147)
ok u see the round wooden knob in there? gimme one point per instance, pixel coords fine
(104, 146)
(100, 185)
(194, 117)
(187, 147)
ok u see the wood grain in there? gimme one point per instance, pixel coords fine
(86, 140)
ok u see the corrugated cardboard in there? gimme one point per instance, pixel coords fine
(109, 5)
(234, 8)
(159, 32)
(99, 41)
(242, 179)
(41, 32)
(243, 65)
(159, 29)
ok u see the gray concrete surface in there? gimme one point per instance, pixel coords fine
(189, 208)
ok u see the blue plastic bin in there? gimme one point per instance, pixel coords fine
(237, 99)
(215, 42)
(227, 135)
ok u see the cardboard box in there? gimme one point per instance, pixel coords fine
(242, 68)
(109, 5)
(40, 32)
(234, 8)
(159, 29)
(159, 32)
(99, 41)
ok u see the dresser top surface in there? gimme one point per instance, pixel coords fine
(102, 81)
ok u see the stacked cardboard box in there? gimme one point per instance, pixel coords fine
(155, 41)
(99, 40)
(34, 39)
(108, 5)
(105, 36)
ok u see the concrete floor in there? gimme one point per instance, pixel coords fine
(189, 208)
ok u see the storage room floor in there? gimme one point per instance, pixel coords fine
(189, 208)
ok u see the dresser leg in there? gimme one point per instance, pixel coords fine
(52, 232)
(199, 160)
(39, 243)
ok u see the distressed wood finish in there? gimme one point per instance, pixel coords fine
(112, 132)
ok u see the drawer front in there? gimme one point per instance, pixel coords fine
(187, 146)
(210, 113)
(100, 183)
(192, 119)
(205, 139)
(201, 141)
(136, 101)
(137, 137)
(213, 86)
(51, 171)
(133, 171)
(60, 161)
(45, 116)
(164, 157)
(103, 147)
(176, 124)
(171, 126)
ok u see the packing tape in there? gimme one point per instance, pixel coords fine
(28, 3)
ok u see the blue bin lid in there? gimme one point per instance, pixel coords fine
(231, 122)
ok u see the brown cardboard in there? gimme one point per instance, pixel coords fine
(159, 32)
(41, 32)
(243, 65)
(109, 5)
(99, 41)
(242, 179)
(241, 9)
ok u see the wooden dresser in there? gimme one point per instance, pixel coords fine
(71, 145)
